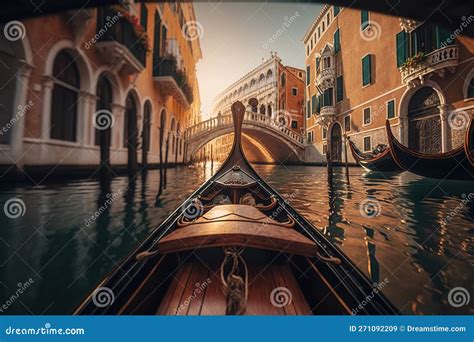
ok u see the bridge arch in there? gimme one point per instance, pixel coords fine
(282, 144)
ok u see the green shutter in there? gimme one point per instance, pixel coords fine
(364, 19)
(319, 104)
(402, 53)
(470, 91)
(144, 17)
(336, 10)
(313, 102)
(443, 37)
(339, 89)
(308, 75)
(156, 42)
(308, 109)
(391, 109)
(337, 42)
(366, 70)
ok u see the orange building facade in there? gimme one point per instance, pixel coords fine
(363, 68)
(134, 62)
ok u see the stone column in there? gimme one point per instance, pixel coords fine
(443, 114)
(21, 108)
(47, 84)
(117, 133)
(87, 106)
(403, 130)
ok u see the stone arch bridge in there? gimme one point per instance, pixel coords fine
(263, 139)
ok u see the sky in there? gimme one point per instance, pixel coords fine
(235, 38)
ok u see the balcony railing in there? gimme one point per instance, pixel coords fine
(172, 81)
(325, 78)
(117, 39)
(328, 111)
(437, 61)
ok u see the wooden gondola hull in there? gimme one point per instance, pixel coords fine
(469, 144)
(246, 251)
(453, 165)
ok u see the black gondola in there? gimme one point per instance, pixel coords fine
(236, 247)
(469, 144)
(382, 162)
(452, 165)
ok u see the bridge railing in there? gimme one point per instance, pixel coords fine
(249, 117)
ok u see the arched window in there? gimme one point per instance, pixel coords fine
(269, 110)
(162, 127)
(173, 138)
(269, 74)
(104, 103)
(64, 99)
(470, 89)
(261, 77)
(262, 109)
(129, 122)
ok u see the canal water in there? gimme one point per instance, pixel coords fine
(413, 234)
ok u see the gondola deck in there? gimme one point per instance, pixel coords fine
(236, 247)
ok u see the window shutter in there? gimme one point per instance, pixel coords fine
(308, 109)
(401, 41)
(339, 89)
(156, 41)
(337, 43)
(144, 17)
(336, 10)
(318, 60)
(308, 75)
(313, 102)
(319, 104)
(391, 109)
(364, 19)
(443, 37)
(366, 71)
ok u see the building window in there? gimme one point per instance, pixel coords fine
(402, 47)
(470, 89)
(294, 91)
(325, 149)
(294, 124)
(328, 97)
(319, 31)
(328, 17)
(325, 133)
(337, 41)
(391, 109)
(314, 104)
(336, 10)
(300, 74)
(367, 116)
(323, 26)
(339, 89)
(65, 95)
(367, 144)
(366, 70)
(364, 20)
(144, 17)
(308, 109)
(308, 75)
(310, 136)
(326, 62)
(347, 123)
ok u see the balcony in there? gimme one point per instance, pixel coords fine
(118, 42)
(325, 78)
(326, 115)
(172, 81)
(419, 67)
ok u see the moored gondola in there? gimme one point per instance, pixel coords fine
(236, 247)
(469, 144)
(452, 165)
(381, 162)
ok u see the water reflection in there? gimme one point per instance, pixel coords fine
(411, 242)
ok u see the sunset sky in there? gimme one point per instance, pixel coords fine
(236, 38)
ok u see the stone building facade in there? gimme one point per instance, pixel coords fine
(134, 61)
(363, 68)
